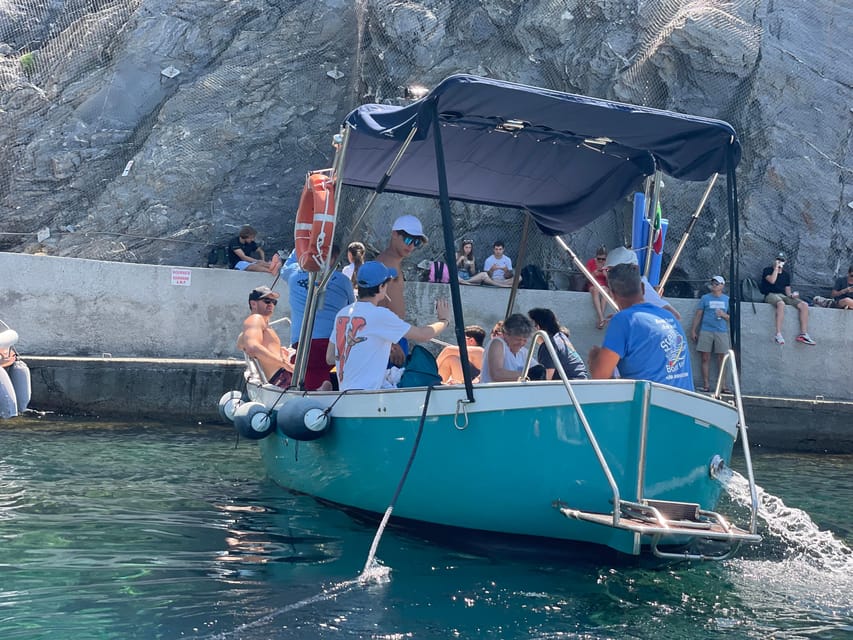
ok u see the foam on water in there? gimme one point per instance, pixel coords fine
(794, 528)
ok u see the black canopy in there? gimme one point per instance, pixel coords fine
(565, 158)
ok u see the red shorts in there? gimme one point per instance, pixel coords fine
(318, 370)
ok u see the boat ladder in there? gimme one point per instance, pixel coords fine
(665, 521)
(670, 523)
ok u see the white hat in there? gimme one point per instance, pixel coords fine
(621, 255)
(410, 225)
(718, 279)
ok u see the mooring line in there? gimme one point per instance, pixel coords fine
(368, 573)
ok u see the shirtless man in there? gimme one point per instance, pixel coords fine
(261, 342)
(407, 235)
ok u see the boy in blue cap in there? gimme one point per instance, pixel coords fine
(364, 332)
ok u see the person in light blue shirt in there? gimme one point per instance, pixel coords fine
(712, 322)
(645, 341)
(337, 295)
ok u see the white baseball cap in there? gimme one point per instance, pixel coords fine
(621, 255)
(410, 225)
(718, 279)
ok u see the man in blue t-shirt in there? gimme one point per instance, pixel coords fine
(337, 295)
(645, 341)
(710, 330)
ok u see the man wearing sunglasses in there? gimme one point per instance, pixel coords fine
(260, 341)
(407, 235)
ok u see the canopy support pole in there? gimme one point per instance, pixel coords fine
(650, 217)
(582, 267)
(522, 255)
(450, 252)
(686, 235)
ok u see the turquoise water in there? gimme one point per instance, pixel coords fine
(149, 531)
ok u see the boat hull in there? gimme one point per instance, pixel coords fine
(501, 464)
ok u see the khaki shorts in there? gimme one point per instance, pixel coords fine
(713, 342)
(773, 298)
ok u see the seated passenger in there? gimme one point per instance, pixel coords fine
(449, 362)
(260, 341)
(337, 294)
(361, 339)
(645, 341)
(572, 363)
(507, 353)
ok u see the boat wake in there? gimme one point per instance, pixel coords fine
(800, 537)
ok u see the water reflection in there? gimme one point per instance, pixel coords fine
(164, 532)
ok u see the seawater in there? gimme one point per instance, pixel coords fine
(169, 531)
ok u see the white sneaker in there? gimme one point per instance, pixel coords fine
(779, 339)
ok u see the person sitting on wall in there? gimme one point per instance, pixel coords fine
(497, 269)
(842, 292)
(596, 267)
(450, 364)
(15, 383)
(776, 286)
(337, 295)
(644, 340)
(244, 254)
(260, 341)
(363, 333)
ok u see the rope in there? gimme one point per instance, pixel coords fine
(373, 547)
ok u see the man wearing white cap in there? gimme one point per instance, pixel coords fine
(623, 255)
(710, 330)
(407, 235)
(364, 332)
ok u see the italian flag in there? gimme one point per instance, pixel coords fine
(657, 234)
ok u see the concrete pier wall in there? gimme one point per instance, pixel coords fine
(74, 307)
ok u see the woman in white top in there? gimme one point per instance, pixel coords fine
(507, 353)
(355, 255)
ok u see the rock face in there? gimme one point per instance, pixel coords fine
(148, 131)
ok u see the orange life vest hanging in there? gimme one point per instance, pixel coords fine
(315, 221)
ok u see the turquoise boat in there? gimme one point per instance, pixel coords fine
(629, 464)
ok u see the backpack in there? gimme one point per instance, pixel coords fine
(438, 272)
(421, 369)
(532, 277)
(750, 292)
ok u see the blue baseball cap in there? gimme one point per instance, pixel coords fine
(373, 273)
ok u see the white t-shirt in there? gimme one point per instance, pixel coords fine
(503, 262)
(347, 270)
(650, 295)
(512, 361)
(363, 335)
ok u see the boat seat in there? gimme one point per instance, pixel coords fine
(254, 372)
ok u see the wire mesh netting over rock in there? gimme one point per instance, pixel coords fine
(147, 131)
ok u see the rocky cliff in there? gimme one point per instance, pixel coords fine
(146, 131)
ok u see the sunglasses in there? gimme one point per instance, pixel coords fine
(271, 301)
(600, 259)
(409, 240)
